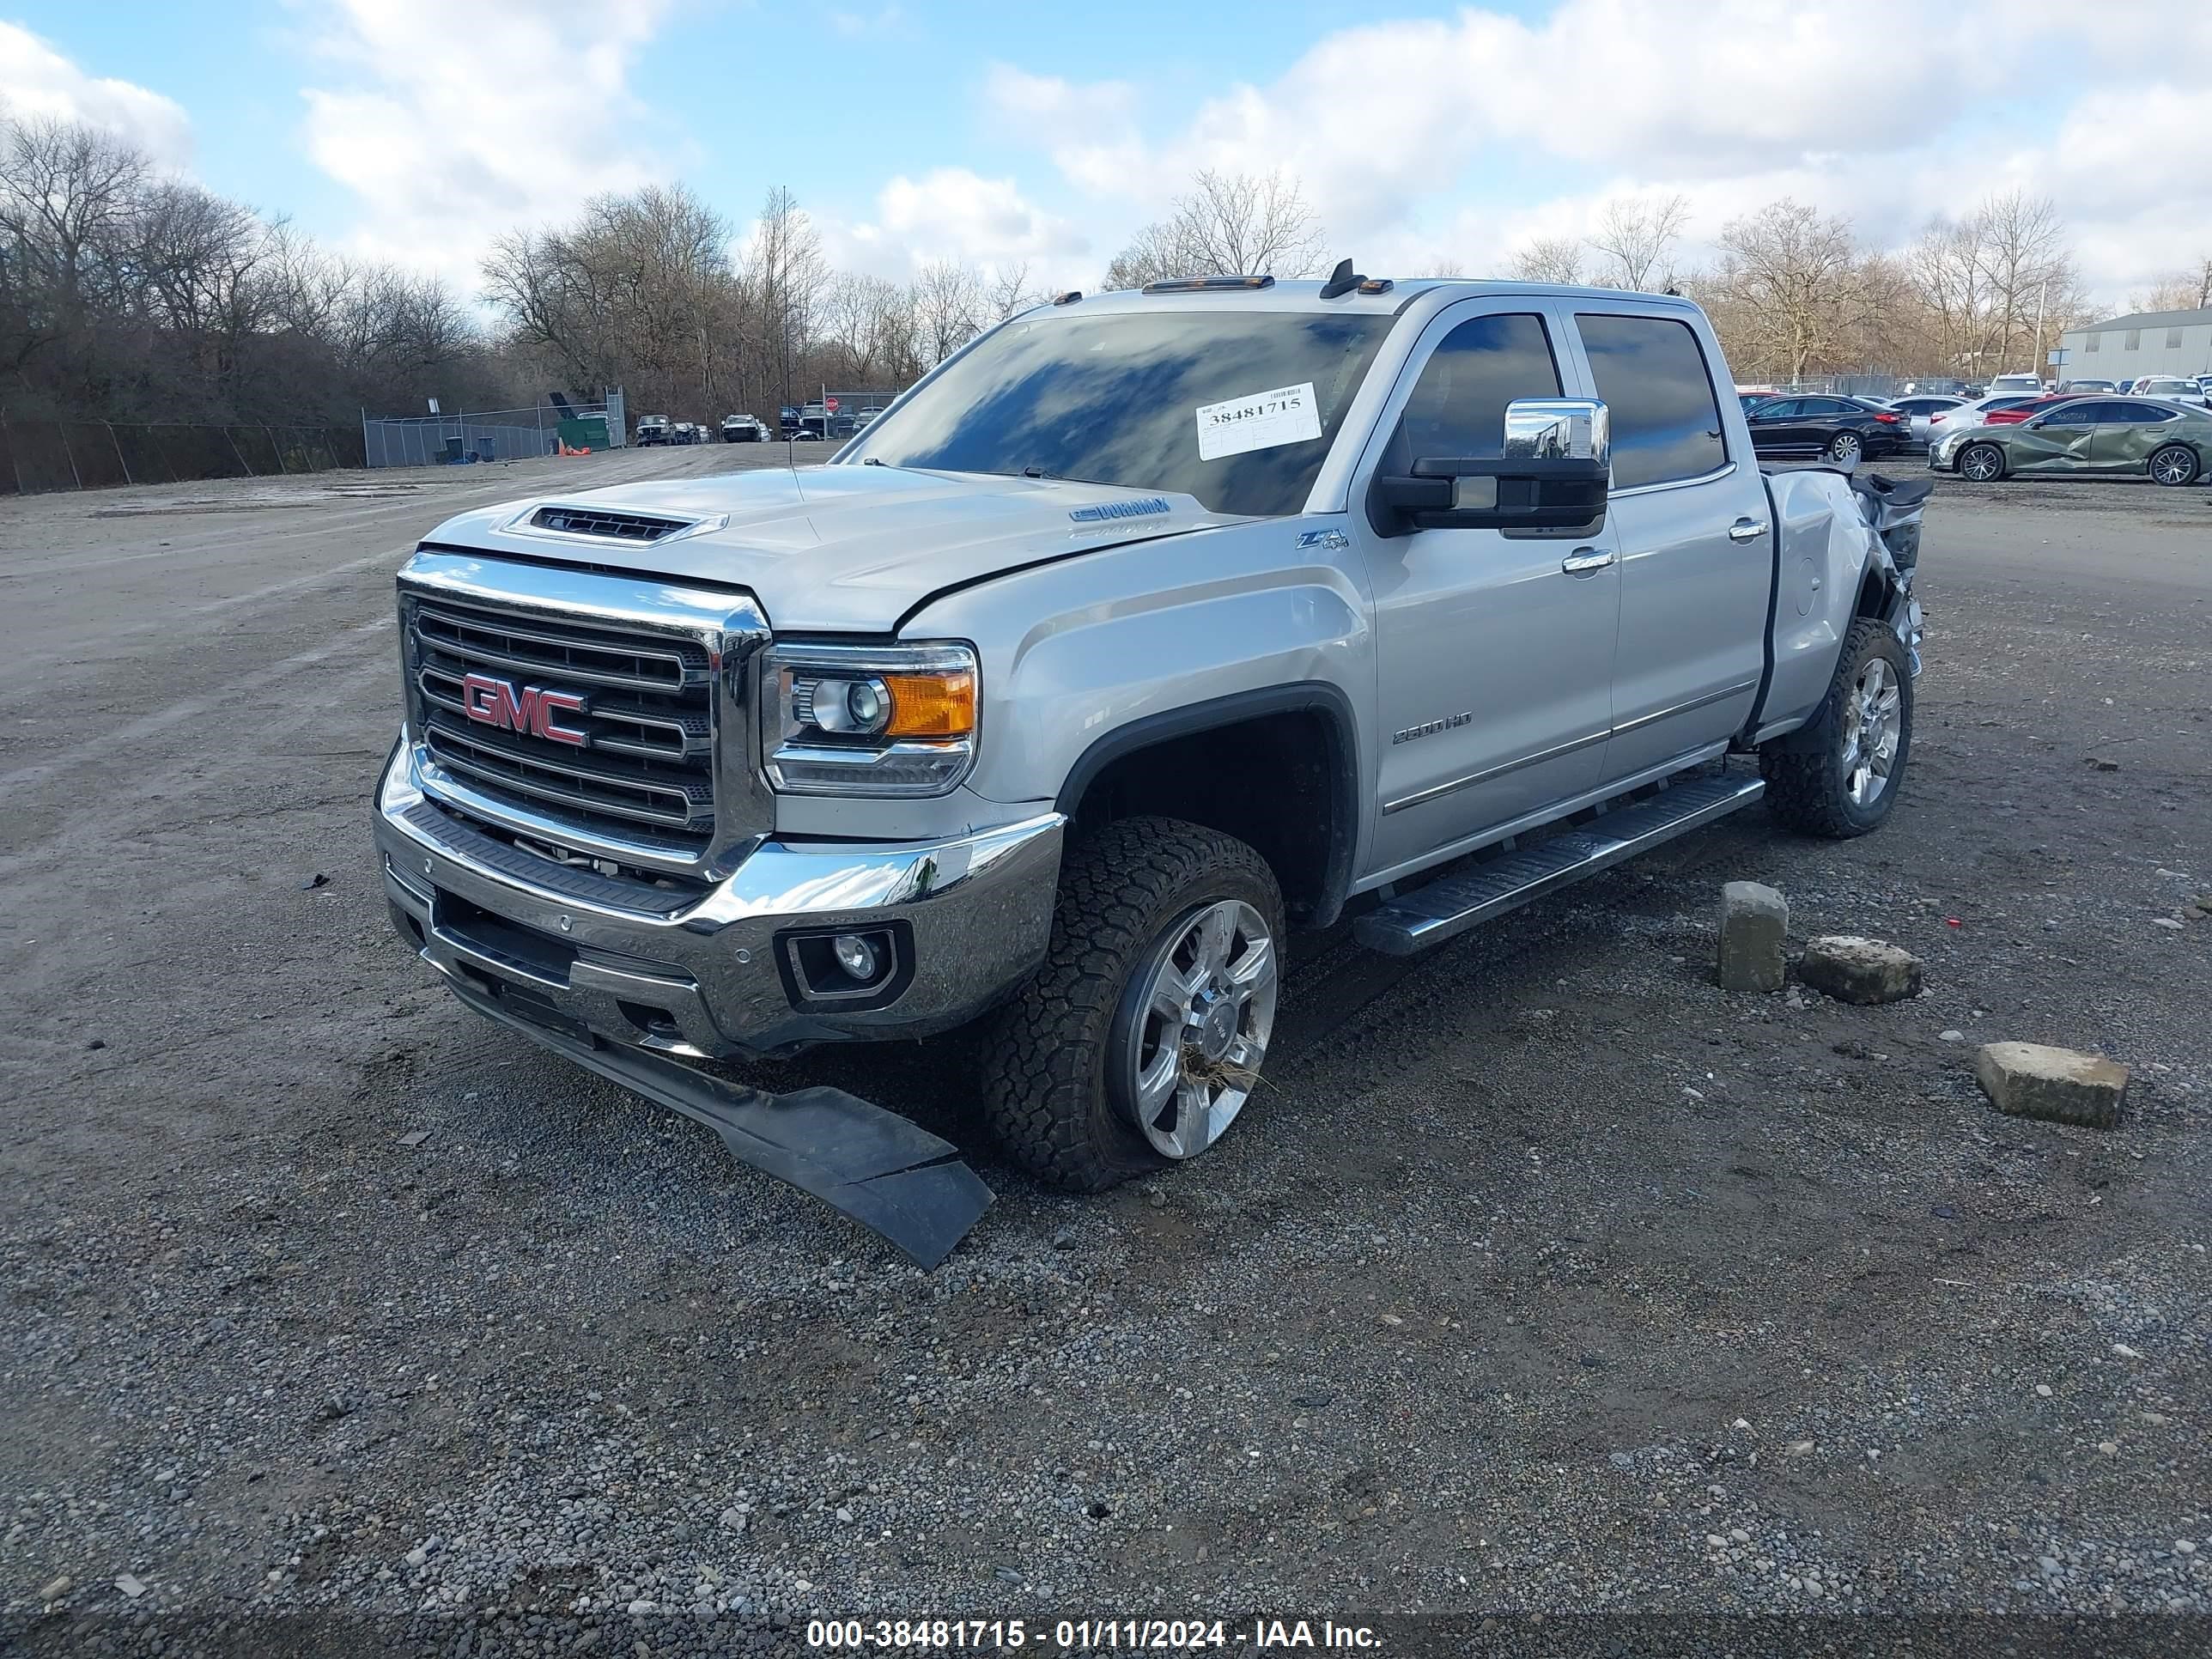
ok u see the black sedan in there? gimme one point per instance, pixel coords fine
(1842, 430)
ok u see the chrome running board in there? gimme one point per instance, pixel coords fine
(1448, 906)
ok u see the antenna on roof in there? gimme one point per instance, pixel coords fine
(1341, 281)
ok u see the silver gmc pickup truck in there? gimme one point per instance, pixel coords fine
(1147, 629)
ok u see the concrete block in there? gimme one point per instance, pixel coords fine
(1754, 922)
(1864, 970)
(2060, 1085)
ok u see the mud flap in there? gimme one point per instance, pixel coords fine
(885, 1171)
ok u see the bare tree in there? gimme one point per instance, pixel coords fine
(1548, 259)
(1009, 290)
(785, 275)
(1986, 282)
(1635, 241)
(1229, 224)
(1791, 277)
(948, 303)
(2189, 289)
(2031, 270)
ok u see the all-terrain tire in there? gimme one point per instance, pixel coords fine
(1807, 785)
(1046, 1053)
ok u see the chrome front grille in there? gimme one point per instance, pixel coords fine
(653, 703)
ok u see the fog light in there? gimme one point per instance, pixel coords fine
(855, 955)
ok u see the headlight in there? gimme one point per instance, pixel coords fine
(853, 720)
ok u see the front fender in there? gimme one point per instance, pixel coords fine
(1074, 651)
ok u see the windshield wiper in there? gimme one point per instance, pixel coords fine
(1037, 472)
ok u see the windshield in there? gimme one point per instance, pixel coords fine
(1236, 409)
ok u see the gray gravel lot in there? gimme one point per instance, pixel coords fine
(1544, 1275)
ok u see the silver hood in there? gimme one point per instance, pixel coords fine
(839, 549)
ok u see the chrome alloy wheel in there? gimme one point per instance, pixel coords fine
(1872, 725)
(1204, 1006)
(1843, 449)
(2173, 466)
(1981, 463)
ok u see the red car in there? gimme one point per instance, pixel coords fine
(2025, 411)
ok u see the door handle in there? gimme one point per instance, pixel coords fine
(1746, 530)
(1584, 560)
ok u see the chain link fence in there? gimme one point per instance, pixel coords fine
(492, 434)
(45, 455)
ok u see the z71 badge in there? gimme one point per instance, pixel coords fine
(1428, 728)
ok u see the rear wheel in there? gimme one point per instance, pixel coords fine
(1845, 449)
(1837, 776)
(2174, 465)
(1141, 1038)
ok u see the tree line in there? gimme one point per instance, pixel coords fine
(1794, 292)
(128, 294)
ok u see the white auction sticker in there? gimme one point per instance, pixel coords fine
(1288, 414)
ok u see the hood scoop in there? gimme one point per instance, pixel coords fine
(600, 523)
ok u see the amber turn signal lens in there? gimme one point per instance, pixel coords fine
(931, 705)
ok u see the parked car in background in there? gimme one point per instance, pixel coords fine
(1973, 412)
(1841, 430)
(1919, 408)
(2179, 388)
(2026, 409)
(2031, 384)
(2170, 441)
(743, 429)
(652, 430)
(2082, 388)
(806, 435)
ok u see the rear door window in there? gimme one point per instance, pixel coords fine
(1651, 373)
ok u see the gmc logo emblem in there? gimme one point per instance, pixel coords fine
(525, 708)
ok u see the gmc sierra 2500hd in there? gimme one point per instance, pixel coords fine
(1145, 629)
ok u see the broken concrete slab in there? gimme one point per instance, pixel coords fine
(1862, 971)
(2059, 1085)
(1754, 922)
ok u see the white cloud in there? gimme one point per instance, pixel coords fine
(36, 80)
(451, 134)
(1412, 138)
(953, 213)
(857, 26)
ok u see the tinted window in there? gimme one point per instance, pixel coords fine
(1779, 409)
(1113, 398)
(1458, 405)
(2139, 412)
(1652, 376)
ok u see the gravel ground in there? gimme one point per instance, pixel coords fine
(1544, 1275)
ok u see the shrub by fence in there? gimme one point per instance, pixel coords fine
(41, 455)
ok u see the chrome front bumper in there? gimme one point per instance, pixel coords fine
(713, 972)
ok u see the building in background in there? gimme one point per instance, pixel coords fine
(2147, 343)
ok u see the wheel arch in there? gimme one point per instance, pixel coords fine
(1200, 762)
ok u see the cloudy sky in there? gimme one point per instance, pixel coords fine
(419, 130)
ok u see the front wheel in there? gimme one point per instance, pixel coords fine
(2173, 464)
(1837, 774)
(1982, 464)
(1845, 449)
(1141, 1038)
